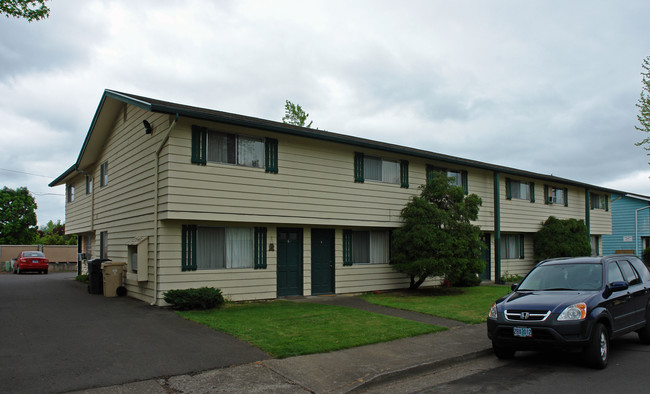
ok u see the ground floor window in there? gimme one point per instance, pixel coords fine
(210, 248)
(512, 246)
(366, 247)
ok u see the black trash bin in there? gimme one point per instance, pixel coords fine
(95, 277)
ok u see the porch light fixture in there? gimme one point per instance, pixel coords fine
(148, 128)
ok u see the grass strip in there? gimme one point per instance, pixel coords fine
(285, 328)
(470, 304)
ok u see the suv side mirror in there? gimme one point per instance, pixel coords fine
(618, 286)
(514, 286)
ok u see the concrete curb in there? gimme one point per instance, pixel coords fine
(418, 369)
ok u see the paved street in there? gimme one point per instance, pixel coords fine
(56, 338)
(532, 372)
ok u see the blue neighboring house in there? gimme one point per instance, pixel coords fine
(630, 225)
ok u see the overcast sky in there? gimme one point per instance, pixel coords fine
(544, 86)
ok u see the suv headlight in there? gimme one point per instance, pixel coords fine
(574, 312)
(493, 312)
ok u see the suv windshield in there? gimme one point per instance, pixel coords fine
(564, 277)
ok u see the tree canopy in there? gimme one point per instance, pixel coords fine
(644, 105)
(32, 10)
(295, 115)
(17, 216)
(562, 238)
(54, 234)
(436, 237)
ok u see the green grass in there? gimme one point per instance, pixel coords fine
(285, 328)
(469, 304)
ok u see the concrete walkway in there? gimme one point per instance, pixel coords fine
(335, 372)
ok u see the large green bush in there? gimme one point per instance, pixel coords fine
(188, 299)
(562, 238)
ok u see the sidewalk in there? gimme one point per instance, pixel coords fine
(335, 372)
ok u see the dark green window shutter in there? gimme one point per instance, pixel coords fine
(521, 246)
(404, 173)
(464, 181)
(429, 172)
(347, 247)
(188, 248)
(271, 155)
(607, 203)
(508, 189)
(532, 191)
(546, 201)
(199, 145)
(358, 167)
(592, 201)
(260, 248)
(566, 197)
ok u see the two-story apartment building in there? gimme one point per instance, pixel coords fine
(630, 224)
(192, 197)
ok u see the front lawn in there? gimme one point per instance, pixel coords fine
(467, 304)
(285, 328)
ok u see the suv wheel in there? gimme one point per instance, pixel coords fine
(597, 351)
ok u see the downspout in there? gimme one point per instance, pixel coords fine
(155, 210)
(497, 230)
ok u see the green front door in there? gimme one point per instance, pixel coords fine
(322, 261)
(289, 262)
(486, 257)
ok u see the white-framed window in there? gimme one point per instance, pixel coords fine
(381, 170)
(103, 174)
(235, 149)
(89, 185)
(224, 247)
(556, 195)
(366, 247)
(70, 193)
(512, 246)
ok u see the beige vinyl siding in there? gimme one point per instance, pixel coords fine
(601, 221)
(315, 183)
(78, 212)
(124, 207)
(524, 216)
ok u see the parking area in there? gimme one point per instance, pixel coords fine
(55, 337)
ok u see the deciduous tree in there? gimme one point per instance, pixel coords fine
(644, 105)
(17, 216)
(32, 10)
(294, 114)
(437, 237)
(54, 234)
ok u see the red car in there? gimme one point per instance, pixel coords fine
(31, 261)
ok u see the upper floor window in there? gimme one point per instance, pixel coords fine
(218, 147)
(599, 201)
(458, 177)
(70, 193)
(103, 174)
(378, 169)
(556, 195)
(89, 185)
(520, 190)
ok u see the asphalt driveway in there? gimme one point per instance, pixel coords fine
(55, 337)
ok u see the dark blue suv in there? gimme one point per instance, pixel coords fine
(575, 303)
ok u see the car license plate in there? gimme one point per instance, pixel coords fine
(35, 261)
(523, 332)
